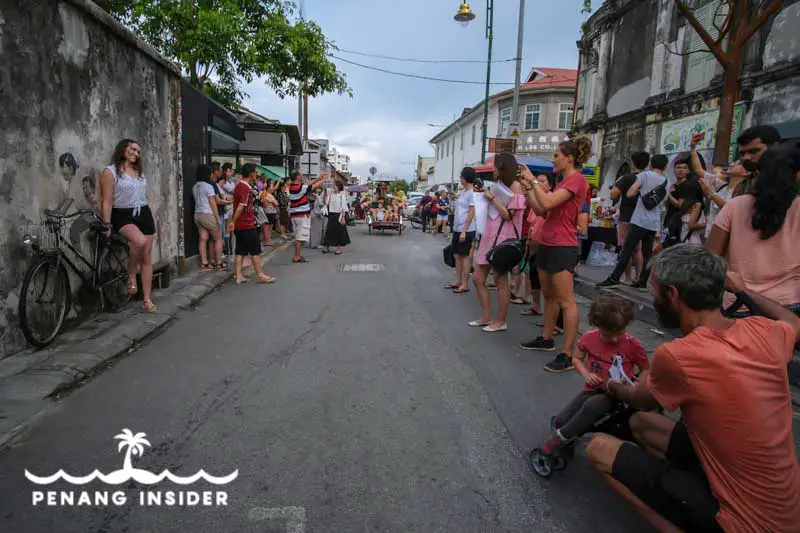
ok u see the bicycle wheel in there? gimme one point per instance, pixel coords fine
(44, 301)
(113, 278)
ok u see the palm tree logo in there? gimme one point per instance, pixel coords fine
(135, 445)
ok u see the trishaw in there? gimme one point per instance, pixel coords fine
(380, 222)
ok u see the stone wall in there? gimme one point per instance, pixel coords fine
(73, 83)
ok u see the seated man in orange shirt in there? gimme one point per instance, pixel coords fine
(729, 464)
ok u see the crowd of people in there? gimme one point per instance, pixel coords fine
(729, 462)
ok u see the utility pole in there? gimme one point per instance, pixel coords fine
(514, 125)
(490, 36)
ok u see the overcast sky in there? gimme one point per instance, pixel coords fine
(385, 123)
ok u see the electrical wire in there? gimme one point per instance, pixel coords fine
(417, 76)
(435, 61)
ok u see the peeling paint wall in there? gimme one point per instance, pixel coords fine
(72, 87)
(783, 42)
(630, 64)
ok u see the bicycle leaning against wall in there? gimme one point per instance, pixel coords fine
(46, 295)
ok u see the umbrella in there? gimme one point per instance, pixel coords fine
(357, 188)
(535, 164)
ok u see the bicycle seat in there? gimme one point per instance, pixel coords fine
(99, 227)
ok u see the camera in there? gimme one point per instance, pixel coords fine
(478, 184)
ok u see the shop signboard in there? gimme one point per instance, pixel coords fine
(676, 135)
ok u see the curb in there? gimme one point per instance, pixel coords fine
(77, 363)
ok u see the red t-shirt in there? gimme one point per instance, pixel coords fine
(561, 223)
(731, 387)
(601, 354)
(243, 195)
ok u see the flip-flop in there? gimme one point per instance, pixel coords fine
(518, 301)
(530, 312)
(460, 291)
(241, 281)
(266, 281)
(451, 286)
(299, 260)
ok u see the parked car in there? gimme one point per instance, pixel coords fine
(411, 204)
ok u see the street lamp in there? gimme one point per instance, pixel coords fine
(465, 16)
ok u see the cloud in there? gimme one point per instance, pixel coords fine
(387, 143)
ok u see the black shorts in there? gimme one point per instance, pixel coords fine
(555, 259)
(533, 274)
(676, 487)
(462, 248)
(143, 220)
(248, 242)
(272, 218)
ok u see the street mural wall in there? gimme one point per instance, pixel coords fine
(70, 93)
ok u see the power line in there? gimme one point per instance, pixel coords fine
(417, 76)
(393, 58)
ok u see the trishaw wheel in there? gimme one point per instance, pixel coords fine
(558, 463)
(540, 463)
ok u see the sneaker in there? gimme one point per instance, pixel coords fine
(551, 444)
(561, 363)
(641, 287)
(608, 284)
(539, 343)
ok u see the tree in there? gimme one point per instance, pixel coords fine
(219, 44)
(739, 24)
(399, 185)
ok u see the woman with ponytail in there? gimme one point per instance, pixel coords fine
(559, 251)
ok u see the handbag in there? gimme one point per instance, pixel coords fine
(653, 199)
(508, 254)
(448, 256)
(260, 215)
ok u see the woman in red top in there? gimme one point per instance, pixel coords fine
(558, 255)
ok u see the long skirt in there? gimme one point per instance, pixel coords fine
(336, 233)
(318, 223)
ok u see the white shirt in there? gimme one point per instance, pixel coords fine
(129, 192)
(464, 201)
(649, 219)
(337, 202)
(202, 190)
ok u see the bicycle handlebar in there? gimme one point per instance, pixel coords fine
(60, 215)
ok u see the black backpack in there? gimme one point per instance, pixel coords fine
(654, 198)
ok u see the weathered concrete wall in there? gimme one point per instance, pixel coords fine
(630, 64)
(72, 84)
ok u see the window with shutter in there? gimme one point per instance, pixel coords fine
(700, 67)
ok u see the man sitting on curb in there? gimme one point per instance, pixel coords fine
(729, 464)
(300, 211)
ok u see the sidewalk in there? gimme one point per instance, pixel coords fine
(31, 378)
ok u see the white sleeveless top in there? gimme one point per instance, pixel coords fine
(129, 192)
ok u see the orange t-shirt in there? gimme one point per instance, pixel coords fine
(733, 392)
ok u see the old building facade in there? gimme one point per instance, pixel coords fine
(645, 82)
(547, 97)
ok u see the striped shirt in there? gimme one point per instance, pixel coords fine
(299, 201)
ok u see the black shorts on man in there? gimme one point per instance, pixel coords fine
(248, 242)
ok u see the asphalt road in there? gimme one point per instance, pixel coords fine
(348, 401)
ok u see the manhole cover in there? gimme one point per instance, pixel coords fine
(359, 267)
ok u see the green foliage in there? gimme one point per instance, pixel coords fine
(587, 6)
(399, 185)
(220, 44)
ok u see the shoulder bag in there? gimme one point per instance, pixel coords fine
(508, 254)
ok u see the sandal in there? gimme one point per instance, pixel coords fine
(266, 280)
(451, 286)
(221, 267)
(530, 312)
(132, 288)
(516, 300)
(241, 281)
(460, 291)
(149, 306)
(205, 267)
(300, 259)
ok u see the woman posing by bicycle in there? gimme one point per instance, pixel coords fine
(124, 200)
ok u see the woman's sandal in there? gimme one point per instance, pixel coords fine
(132, 288)
(221, 267)
(266, 280)
(205, 267)
(459, 290)
(149, 306)
(530, 312)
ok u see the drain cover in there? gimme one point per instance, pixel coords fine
(361, 267)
